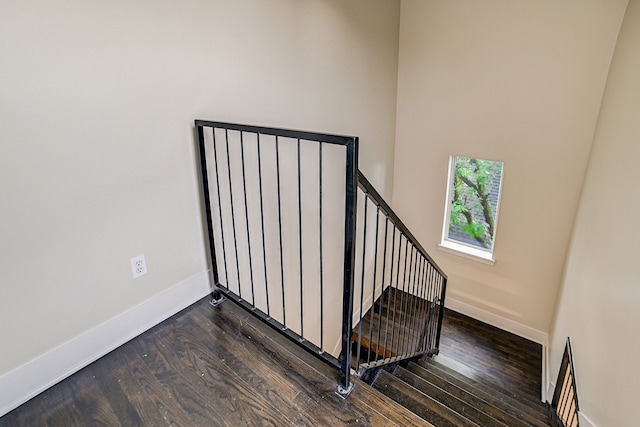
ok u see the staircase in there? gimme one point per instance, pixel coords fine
(446, 393)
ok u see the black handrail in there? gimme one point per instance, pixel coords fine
(564, 404)
(278, 260)
(368, 188)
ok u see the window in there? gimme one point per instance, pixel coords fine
(471, 213)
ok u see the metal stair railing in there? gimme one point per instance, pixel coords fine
(280, 209)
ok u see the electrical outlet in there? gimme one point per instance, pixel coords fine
(138, 266)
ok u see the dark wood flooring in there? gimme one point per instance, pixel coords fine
(512, 362)
(221, 366)
(208, 366)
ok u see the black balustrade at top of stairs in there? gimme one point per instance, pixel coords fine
(295, 230)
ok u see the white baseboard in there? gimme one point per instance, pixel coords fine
(32, 378)
(544, 384)
(550, 389)
(585, 421)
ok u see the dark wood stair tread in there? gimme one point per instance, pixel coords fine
(508, 359)
(419, 403)
(493, 406)
(470, 409)
(373, 347)
(478, 376)
(532, 412)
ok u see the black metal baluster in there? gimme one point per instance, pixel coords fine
(573, 376)
(383, 290)
(419, 301)
(300, 242)
(224, 253)
(373, 291)
(566, 391)
(284, 311)
(224, 256)
(321, 261)
(233, 215)
(574, 418)
(422, 321)
(264, 248)
(396, 344)
(396, 297)
(246, 216)
(443, 290)
(424, 306)
(364, 255)
(401, 311)
(412, 301)
(402, 338)
(435, 279)
(391, 299)
(432, 306)
(428, 343)
(564, 363)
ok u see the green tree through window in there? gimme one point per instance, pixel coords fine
(475, 191)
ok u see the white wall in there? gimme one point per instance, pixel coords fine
(97, 102)
(519, 82)
(599, 306)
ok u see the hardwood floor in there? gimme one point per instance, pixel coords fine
(513, 362)
(221, 366)
(208, 366)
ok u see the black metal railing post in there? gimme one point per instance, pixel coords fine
(345, 386)
(216, 296)
(441, 297)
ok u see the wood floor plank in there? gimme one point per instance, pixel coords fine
(30, 413)
(209, 394)
(511, 361)
(315, 381)
(266, 378)
(120, 402)
(242, 358)
(83, 403)
(222, 366)
(152, 403)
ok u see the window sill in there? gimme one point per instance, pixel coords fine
(467, 252)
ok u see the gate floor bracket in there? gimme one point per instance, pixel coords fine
(217, 301)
